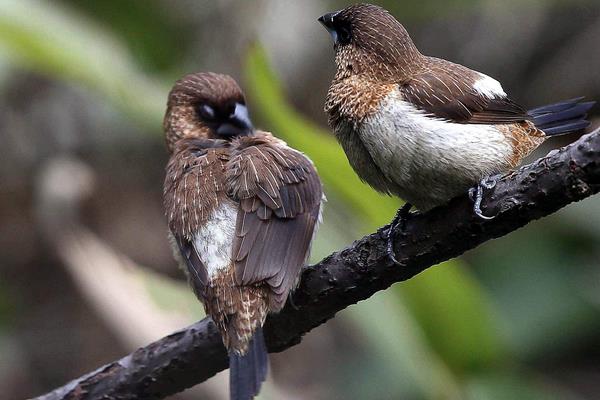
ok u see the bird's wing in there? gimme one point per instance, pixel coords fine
(193, 189)
(458, 94)
(279, 195)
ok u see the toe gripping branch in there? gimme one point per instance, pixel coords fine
(399, 221)
(476, 195)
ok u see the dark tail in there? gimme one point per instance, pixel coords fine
(565, 117)
(247, 372)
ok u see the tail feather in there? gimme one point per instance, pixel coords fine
(248, 372)
(564, 117)
(555, 107)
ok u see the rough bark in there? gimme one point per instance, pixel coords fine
(194, 354)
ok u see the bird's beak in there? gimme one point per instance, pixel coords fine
(238, 123)
(327, 21)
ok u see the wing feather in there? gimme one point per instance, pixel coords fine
(448, 92)
(191, 193)
(280, 197)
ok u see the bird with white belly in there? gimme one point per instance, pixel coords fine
(423, 128)
(242, 209)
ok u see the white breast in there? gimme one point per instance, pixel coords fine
(431, 160)
(214, 241)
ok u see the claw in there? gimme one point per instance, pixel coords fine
(472, 192)
(476, 195)
(398, 221)
(488, 182)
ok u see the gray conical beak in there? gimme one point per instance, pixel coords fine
(238, 123)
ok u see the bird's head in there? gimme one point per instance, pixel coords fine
(369, 40)
(206, 105)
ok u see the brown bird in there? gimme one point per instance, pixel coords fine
(423, 128)
(242, 209)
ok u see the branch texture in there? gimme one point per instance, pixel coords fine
(194, 354)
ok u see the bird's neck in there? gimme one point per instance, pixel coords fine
(386, 64)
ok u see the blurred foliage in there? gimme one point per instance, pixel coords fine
(171, 295)
(549, 315)
(468, 329)
(153, 39)
(419, 10)
(515, 385)
(396, 352)
(456, 317)
(6, 307)
(54, 41)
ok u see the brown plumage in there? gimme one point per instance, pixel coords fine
(242, 209)
(380, 52)
(420, 127)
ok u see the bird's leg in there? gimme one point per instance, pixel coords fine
(476, 195)
(399, 221)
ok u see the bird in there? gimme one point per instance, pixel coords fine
(242, 210)
(422, 128)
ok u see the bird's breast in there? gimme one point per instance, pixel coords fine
(431, 160)
(361, 159)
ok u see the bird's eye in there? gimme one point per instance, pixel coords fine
(206, 112)
(344, 35)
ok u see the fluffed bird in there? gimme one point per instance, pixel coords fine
(423, 128)
(242, 209)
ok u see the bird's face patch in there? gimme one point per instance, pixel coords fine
(226, 121)
(339, 28)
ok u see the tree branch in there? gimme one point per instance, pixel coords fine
(194, 354)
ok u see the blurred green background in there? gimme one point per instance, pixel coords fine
(86, 274)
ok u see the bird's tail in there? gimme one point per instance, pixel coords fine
(247, 372)
(560, 118)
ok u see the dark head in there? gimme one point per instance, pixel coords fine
(206, 105)
(368, 39)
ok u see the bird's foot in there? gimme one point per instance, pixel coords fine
(399, 221)
(476, 195)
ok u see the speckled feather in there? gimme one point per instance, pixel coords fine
(277, 194)
(280, 195)
(385, 92)
(194, 184)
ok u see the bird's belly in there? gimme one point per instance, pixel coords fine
(361, 160)
(431, 160)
